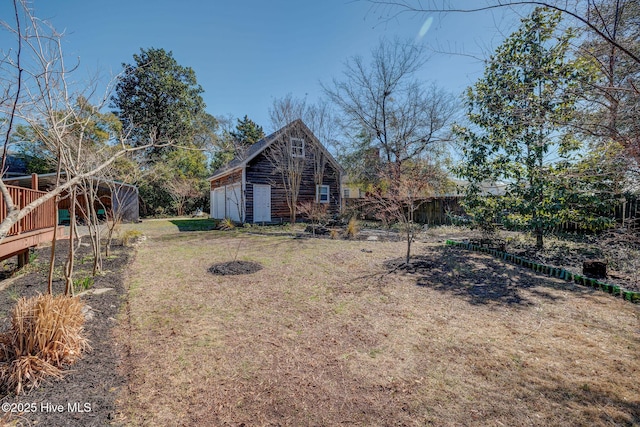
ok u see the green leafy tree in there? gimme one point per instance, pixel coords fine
(32, 151)
(518, 114)
(158, 99)
(591, 188)
(176, 185)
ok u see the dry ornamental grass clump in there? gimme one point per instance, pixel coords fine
(352, 228)
(46, 334)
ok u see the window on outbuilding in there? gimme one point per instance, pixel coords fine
(322, 193)
(347, 193)
(297, 147)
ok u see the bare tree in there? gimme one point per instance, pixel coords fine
(611, 41)
(396, 125)
(39, 94)
(119, 182)
(323, 123)
(287, 153)
(615, 97)
(315, 212)
(399, 116)
(90, 196)
(417, 182)
(181, 189)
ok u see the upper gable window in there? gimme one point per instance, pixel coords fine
(297, 147)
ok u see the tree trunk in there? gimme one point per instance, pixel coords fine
(409, 238)
(539, 241)
(52, 259)
(68, 273)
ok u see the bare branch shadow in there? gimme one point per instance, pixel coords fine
(480, 278)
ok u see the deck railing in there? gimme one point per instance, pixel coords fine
(44, 216)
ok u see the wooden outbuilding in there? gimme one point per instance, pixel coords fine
(250, 188)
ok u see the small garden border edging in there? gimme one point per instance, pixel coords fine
(552, 271)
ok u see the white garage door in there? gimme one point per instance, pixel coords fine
(217, 203)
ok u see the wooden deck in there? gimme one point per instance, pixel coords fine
(33, 229)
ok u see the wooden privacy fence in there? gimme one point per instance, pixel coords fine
(44, 216)
(431, 211)
(438, 210)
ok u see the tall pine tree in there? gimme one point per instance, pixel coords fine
(247, 132)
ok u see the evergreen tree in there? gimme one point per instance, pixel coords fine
(518, 113)
(247, 132)
(158, 99)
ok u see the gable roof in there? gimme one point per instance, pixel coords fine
(239, 162)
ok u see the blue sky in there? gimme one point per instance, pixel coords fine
(246, 53)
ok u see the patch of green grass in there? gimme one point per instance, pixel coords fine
(84, 283)
(196, 224)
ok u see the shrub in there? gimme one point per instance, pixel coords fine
(226, 224)
(352, 228)
(130, 236)
(46, 334)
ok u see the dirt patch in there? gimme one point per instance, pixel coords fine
(418, 264)
(232, 268)
(85, 396)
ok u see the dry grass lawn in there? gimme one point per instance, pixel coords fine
(324, 335)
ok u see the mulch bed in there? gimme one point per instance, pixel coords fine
(93, 383)
(232, 268)
(419, 264)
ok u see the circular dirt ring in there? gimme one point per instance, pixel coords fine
(233, 268)
(417, 264)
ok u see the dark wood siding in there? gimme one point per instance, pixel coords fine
(261, 171)
(232, 178)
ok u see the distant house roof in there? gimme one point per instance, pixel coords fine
(255, 149)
